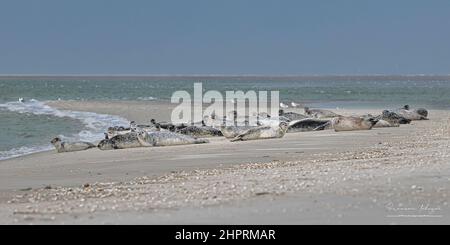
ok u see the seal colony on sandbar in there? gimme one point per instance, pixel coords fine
(159, 134)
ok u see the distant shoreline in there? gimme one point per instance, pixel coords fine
(374, 77)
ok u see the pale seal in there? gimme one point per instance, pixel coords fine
(61, 146)
(263, 132)
(167, 138)
(353, 123)
(308, 124)
(319, 113)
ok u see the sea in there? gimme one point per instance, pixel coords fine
(27, 127)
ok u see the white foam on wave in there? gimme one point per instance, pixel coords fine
(22, 151)
(150, 98)
(95, 124)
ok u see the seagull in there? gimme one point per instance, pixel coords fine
(21, 100)
(282, 105)
(293, 104)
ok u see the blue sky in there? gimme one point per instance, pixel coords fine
(224, 37)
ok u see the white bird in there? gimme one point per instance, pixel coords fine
(282, 105)
(293, 104)
(21, 100)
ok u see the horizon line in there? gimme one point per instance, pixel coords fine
(221, 75)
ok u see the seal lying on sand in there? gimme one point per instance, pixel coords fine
(417, 114)
(350, 123)
(291, 115)
(394, 118)
(121, 141)
(385, 124)
(167, 138)
(200, 131)
(318, 113)
(382, 123)
(263, 132)
(61, 146)
(308, 124)
(233, 131)
(116, 130)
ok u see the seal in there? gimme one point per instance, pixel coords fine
(116, 130)
(394, 118)
(61, 146)
(121, 141)
(263, 132)
(416, 114)
(353, 123)
(167, 138)
(308, 124)
(292, 116)
(232, 131)
(200, 131)
(319, 113)
(383, 123)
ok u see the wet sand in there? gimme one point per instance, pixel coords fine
(388, 175)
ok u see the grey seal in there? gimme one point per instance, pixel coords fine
(233, 131)
(167, 138)
(200, 131)
(121, 141)
(61, 146)
(292, 116)
(394, 118)
(412, 114)
(319, 113)
(308, 124)
(263, 132)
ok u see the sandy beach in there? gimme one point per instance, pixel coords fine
(381, 176)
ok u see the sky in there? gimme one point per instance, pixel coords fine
(228, 37)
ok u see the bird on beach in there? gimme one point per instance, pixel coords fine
(21, 100)
(295, 105)
(283, 105)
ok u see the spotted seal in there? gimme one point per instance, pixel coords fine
(200, 131)
(121, 141)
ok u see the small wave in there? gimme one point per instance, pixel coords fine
(95, 124)
(150, 98)
(22, 151)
